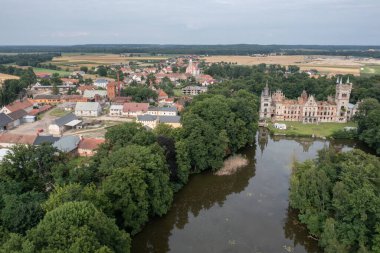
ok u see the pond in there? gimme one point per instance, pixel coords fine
(244, 212)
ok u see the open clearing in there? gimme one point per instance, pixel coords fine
(51, 71)
(324, 64)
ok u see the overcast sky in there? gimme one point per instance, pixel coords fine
(67, 22)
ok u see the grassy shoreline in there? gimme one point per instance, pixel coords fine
(321, 130)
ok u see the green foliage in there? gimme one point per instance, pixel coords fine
(338, 196)
(139, 93)
(77, 227)
(102, 71)
(369, 122)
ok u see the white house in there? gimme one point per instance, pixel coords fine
(116, 110)
(101, 82)
(88, 109)
(162, 111)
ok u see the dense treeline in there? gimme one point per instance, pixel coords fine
(237, 49)
(32, 60)
(338, 198)
(292, 83)
(51, 203)
(369, 123)
(13, 89)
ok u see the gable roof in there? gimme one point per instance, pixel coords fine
(17, 114)
(18, 105)
(146, 117)
(5, 119)
(163, 109)
(93, 93)
(67, 143)
(17, 138)
(65, 119)
(135, 107)
(47, 96)
(87, 106)
(169, 119)
(40, 139)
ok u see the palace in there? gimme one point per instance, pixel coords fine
(306, 109)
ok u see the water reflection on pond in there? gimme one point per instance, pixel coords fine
(244, 212)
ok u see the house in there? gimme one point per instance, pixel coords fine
(134, 109)
(60, 125)
(88, 109)
(148, 120)
(173, 121)
(8, 140)
(47, 99)
(162, 95)
(67, 144)
(88, 146)
(67, 106)
(17, 117)
(6, 122)
(152, 121)
(163, 111)
(26, 105)
(116, 110)
(205, 80)
(82, 88)
(166, 102)
(193, 90)
(41, 139)
(101, 83)
(69, 81)
(91, 94)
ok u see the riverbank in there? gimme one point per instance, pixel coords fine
(321, 130)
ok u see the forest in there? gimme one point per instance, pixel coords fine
(234, 49)
(338, 199)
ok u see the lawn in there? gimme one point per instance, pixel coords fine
(370, 70)
(58, 112)
(60, 72)
(318, 130)
(178, 92)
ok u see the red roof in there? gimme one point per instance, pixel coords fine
(42, 109)
(71, 80)
(19, 105)
(86, 87)
(135, 107)
(17, 138)
(90, 143)
(162, 94)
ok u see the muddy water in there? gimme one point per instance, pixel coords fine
(244, 212)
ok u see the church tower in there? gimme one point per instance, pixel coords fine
(111, 90)
(265, 103)
(342, 98)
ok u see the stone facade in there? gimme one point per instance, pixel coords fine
(306, 108)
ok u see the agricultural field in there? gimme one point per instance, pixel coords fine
(93, 60)
(324, 64)
(370, 70)
(60, 72)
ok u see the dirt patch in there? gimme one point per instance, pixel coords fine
(231, 165)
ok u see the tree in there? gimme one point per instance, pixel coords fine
(102, 71)
(368, 123)
(127, 191)
(77, 227)
(338, 198)
(84, 69)
(55, 89)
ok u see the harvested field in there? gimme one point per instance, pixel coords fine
(324, 64)
(231, 165)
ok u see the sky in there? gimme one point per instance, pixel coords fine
(73, 22)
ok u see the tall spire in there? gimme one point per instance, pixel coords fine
(337, 80)
(348, 80)
(341, 80)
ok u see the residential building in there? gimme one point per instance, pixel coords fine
(116, 110)
(25, 104)
(163, 111)
(101, 83)
(91, 94)
(193, 90)
(82, 88)
(134, 109)
(88, 109)
(88, 146)
(162, 95)
(306, 108)
(152, 121)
